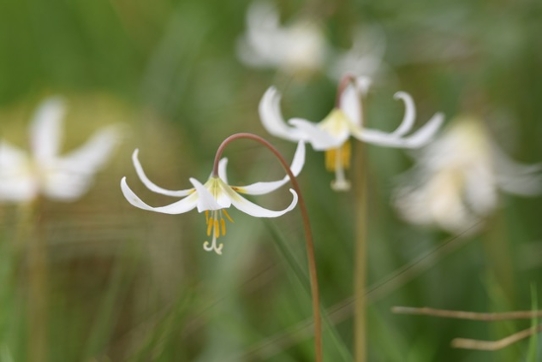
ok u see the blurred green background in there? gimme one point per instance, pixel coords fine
(130, 285)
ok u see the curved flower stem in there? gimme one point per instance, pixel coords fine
(306, 224)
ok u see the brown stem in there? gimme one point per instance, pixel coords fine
(473, 316)
(306, 224)
(495, 345)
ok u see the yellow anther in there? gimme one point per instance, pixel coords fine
(223, 225)
(207, 216)
(338, 157)
(227, 215)
(209, 226)
(217, 228)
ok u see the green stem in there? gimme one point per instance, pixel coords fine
(360, 255)
(31, 234)
(309, 243)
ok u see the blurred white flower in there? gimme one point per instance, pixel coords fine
(215, 196)
(301, 49)
(23, 176)
(298, 49)
(455, 181)
(364, 58)
(345, 120)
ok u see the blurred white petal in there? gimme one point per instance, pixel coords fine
(317, 137)
(45, 130)
(410, 114)
(271, 117)
(206, 200)
(350, 103)
(92, 156)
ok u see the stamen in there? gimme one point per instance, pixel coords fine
(217, 229)
(223, 225)
(210, 224)
(338, 157)
(227, 215)
(216, 224)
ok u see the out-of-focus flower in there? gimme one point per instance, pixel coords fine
(298, 49)
(364, 58)
(23, 176)
(345, 120)
(454, 184)
(215, 196)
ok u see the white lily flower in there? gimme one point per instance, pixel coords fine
(332, 134)
(215, 196)
(299, 48)
(23, 176)
(456, 180)
(364, 58)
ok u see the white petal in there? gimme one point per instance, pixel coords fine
(222, 169)
(11, 158)
(271, 117)
(93, 155)
(260, 188)
(179, 207)
(350, 103)
(45, 131)
(318, 138)
(255, 210)
(17, 183)
(418, 139)
(410, 114)
(206, 201)
(152, 186)
(522, 185)
(65, 186)
(363, 84)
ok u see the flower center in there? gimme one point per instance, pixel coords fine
(216, 224)
(339, 158)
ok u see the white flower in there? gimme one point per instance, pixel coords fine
(215, 196)
(345, 120)
(299, 48)
(364, 58)
(454, 184)
(24, 176)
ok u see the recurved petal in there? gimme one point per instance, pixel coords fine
(260, 188)
(179, 207)
(45, 130)
(410, 114)
(318, 138)
(271, 116)
(418, 139)
(152, 186)
(252, 209)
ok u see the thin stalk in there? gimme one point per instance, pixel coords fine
(473, 316)
(309, 243)
(360, 257)
(495, 345)
(30, 237)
